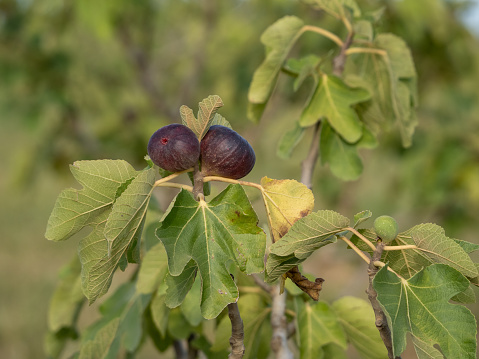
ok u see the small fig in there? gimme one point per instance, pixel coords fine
(174, 148)
(386, 228)
(225, 153)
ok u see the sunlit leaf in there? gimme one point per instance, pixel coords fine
(421, 306)
(278, 40)
(212, 234)
(342, 157)
(361, 217)
(304, 237)
(123, 225)
(75, 209)
(356, 316)
(286, 201)
(332, 100)
(336, 8)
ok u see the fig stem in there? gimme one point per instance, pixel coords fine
(170, 177)
(398, 248)
(197, 182)
(176, 185)
(356, 249)
(360, 236)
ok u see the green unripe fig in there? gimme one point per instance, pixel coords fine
(386, 228)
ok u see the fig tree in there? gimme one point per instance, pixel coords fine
(386, 228)
(174, 147)
(225, 153)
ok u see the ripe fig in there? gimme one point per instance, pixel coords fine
(386, 228)
(174, 147)
(225, 153)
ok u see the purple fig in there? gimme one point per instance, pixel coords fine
(225, 153)
(174, 148)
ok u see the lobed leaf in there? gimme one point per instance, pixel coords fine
(212, 234)
(336, 8)
(318, 326)
(179, 286)
(153, 269)
(123, 226)
(357, 319)
(67, 298)
(289, 141)
(420, 305)
(278, 40)
(342, 157)
(75, 209)
(332, 99)
(304, 237)
(286, 202)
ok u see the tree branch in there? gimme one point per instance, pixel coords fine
(340, 60)
(279, 341)
(380, 318)
(237, 332)
(310, 161)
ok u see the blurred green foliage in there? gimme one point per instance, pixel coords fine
(92, 80)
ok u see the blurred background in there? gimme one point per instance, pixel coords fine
(94, 79)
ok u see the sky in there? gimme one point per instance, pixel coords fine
(471, 17)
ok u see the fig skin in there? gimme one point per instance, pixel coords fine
(174, 148)
(225, 153)
(386, 228)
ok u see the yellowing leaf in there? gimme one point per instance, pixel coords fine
(286, 201)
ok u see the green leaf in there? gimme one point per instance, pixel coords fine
(302, 68)
(432, 240)
(220, 120)
(191, 305)
(153, 270)
(278, 40)
(308, 233)
(98, 347)
(289, 141)
(468, 247)
(179, 286)
(318, 326)
(124, 223)
(303, 238)
(212, 234)
(342, 157)
(178, 326)
(357, 319)
(391, 78)
(206, 113)
(255, 111)
(421, 306)
(67, 298)
(333, 99)
(75, 209)
(130, 329)
(361, 217)
(160, 312)
(336, 8)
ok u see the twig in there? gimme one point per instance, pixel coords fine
(310, 161)
(323, 32)
(237, 332)
(360, 236)
(380, 317)
(261, 283)
(279, 341)
(340, 60)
